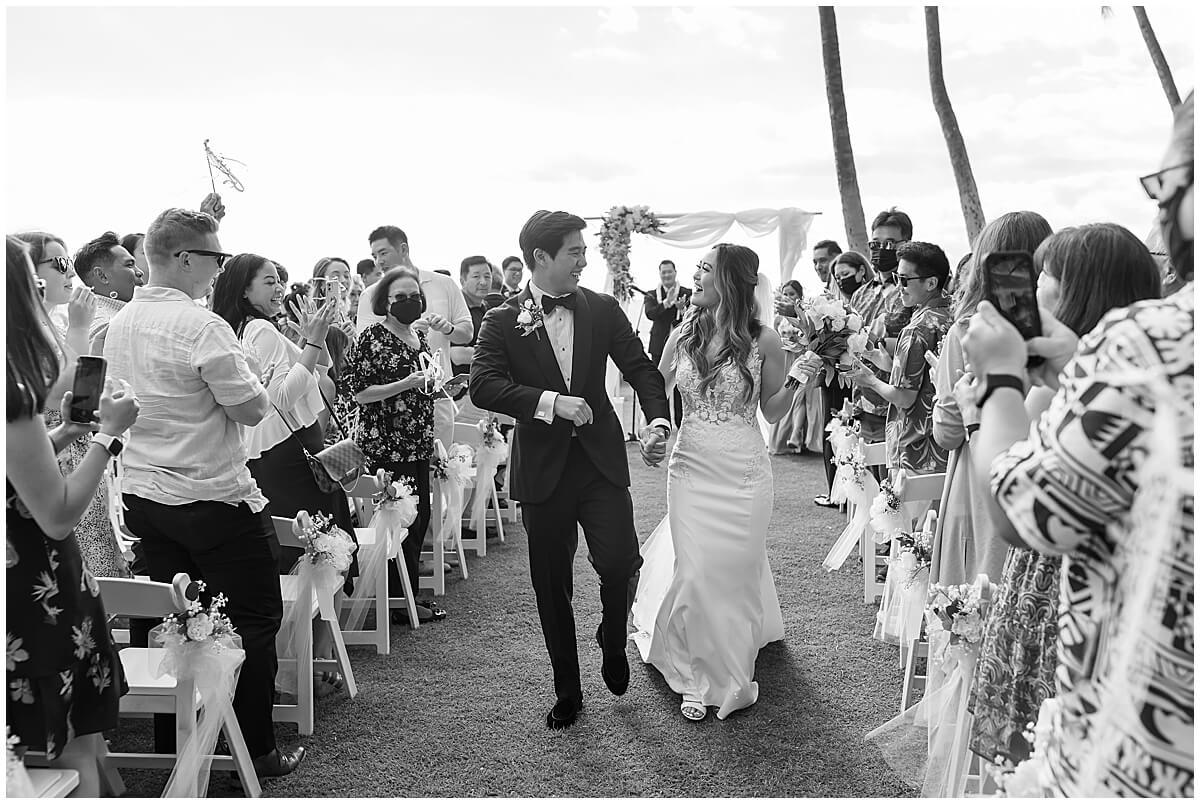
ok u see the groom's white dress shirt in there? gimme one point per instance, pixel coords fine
(560, 329)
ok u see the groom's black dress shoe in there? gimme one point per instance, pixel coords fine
(564, 713)
(615, 668)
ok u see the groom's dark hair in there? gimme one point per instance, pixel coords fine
(547, 231)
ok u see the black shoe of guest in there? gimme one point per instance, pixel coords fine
(564, 713)
(615, 667)
(275, 764)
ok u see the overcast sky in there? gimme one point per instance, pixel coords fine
(456, 123)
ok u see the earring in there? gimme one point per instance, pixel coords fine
(112, 294)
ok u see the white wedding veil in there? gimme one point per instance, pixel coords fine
(764, 300)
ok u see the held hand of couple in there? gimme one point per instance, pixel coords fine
(574, 409)
(654, 446)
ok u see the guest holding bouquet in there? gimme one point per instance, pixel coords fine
(63, 674)
(389, 375)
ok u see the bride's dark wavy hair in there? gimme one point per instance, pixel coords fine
(735, 276)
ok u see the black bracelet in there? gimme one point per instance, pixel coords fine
(994, 381)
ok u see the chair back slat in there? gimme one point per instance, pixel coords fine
(875, 453)
(283, 532)
(139, 597)
(922, 487)
(467, 434)
(364, 487)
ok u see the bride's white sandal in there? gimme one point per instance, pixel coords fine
(693, 710)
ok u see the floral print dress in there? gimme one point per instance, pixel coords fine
(63, 673)
(398, 429)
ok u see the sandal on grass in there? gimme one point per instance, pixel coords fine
(693, 710)
(328, 683)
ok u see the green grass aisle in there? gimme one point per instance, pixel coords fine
(458, 708)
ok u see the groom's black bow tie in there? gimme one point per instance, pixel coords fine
(550, 302)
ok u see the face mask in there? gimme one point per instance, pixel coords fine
(406, 311)
(849, 284)
(1179, 250)
(884, 260)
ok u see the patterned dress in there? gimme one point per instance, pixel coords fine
(400, 428)
(64, 676)
(910, 441)
(1106, 479)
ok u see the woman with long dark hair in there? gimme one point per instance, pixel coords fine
(1084, 272)
(328, 272)
(64, 677)
(802, 426)
(706, 601)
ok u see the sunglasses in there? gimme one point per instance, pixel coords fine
(61, 264)
(1156, 182)
(882, 245)
(219, 256)
(904, 280)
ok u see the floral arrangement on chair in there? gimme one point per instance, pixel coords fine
(197, 623)
(493, 449)
(325, 544)
(852, 484)
(886, 516)
(615, 232)
(453, 470)
(959, 610)
(915, 553)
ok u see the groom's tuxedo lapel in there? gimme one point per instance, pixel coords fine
(543, 351)
(581, 356)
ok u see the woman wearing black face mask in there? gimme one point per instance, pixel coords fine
(386, 374)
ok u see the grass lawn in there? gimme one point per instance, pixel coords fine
(458, 708)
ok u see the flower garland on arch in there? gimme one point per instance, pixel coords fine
(615, 232)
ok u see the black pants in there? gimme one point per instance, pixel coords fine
(414, 542)
(583, 497)
(835, 396)
(233, 550)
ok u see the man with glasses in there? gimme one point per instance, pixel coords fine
(921, 276)
(111, 272)
(188, 494)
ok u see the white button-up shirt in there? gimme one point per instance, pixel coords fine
(184, 364)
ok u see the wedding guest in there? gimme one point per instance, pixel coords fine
(475, 276)
(337, 423)
(1099, 267)
(802, 427)
(396, 414)
(497, 278)
(289, 323)
(94, 533)
(665, 307)
(850, 273)
(890, 230)
(921, 274)
(63, 674)
(111, 271)
(133, 244)
(445, 322)
(189, 495)
(368, 271)
(1104, 479)
(824, 253)
(514, 271)
(356, 290)
(970, 542)
(325, 273)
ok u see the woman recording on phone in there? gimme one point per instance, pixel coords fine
(57, 628)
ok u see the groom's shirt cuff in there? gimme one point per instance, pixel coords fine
(664, 423)
(545, 407)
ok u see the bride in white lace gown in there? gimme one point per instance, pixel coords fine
(706, 600)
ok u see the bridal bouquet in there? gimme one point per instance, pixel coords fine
(325, 544)
(615, 231)
(834, 323)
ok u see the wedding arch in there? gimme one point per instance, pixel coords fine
(695, 230)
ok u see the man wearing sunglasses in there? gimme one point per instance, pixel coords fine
(188, 494)
(921, 276)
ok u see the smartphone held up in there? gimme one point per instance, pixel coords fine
(1010, 284)
(87, 388)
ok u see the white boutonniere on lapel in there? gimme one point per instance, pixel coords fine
(529, 319)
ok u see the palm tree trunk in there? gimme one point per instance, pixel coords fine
(1156, 56)
(968, 193)
(843, 153)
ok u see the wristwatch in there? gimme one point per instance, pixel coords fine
(993, 381)
(109, 442)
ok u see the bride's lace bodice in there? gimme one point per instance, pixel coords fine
(724, 401)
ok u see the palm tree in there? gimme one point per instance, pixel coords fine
(843, 153)
(968, 193)
(1156, 55)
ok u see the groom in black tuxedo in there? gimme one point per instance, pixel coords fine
(541, 358)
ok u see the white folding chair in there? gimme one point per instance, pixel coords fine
(874, 454)
(51, 782)
(126, 597)
(470, 435)
(322, 610)
(368, 542)
(362, 498)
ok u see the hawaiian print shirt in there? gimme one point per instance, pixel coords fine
(1125, 718)
(910, 441)
(870, 301)
(398, 429)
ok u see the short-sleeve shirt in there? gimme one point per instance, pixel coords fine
(870, 300)
(185, 365)
(1126, 640)
(910, 441)
(398, 429)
